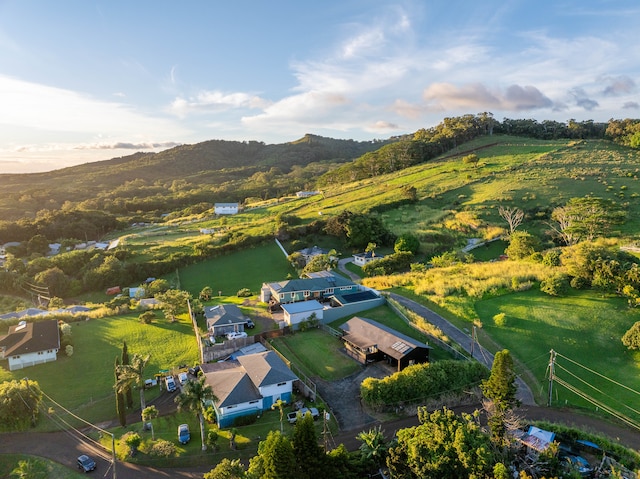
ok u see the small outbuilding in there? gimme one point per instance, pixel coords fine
(295, 313)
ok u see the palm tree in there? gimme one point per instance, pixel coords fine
(374, 446)
(280, 405)
(192, 398)
(133, 374)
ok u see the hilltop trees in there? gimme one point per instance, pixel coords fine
(585, 219)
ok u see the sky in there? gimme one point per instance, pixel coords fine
(84, 80)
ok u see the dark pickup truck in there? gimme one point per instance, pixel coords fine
(292, 417)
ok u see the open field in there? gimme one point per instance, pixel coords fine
(584, 327)
(243, 269)
(83, 383)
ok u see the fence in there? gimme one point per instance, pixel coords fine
(447, 347)
(306, 385)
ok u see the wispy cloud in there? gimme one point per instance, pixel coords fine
(212, 101)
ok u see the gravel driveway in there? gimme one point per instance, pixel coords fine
(343, 396)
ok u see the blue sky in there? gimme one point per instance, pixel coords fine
(84, 80)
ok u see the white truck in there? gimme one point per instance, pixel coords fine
(292, 417)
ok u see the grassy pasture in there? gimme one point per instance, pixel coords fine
(584, 327)
(83, 383)
(243, 269)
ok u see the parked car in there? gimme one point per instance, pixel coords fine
(170, 383)
(184, 436)
(249, 324)
(292, 417)
(149, 383)
(85, 463)
(183, 378)
(236, 335)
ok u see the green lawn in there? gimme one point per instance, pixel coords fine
(243, 269)
(83, 383)
(317, 353)
(9, 462)
(584, 327)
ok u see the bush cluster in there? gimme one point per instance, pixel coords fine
(422, 381)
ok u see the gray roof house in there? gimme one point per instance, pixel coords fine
(248, 385)
(319, 286)
(224, 318)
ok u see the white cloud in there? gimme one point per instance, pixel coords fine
(213, 101)
(40, 107)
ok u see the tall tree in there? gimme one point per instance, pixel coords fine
(277, 457)
(133, 374)
(192, 398)
(19, 404)
(309, 455)
(500, 390)
(513, 217)
(120, 407)
(374, 446)
(227, 469)
(125, 360)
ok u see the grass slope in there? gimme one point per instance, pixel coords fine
(584, 327)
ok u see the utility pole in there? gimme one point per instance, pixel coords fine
(473, 338)
(552, 363)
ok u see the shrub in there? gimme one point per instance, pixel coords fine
(163, 448)
(244, 293)
(551, 258)
(500, 320)
(212, 439)
(631, 338)
(245, 420)
(132, 440)
(555, 285)
(68, 350)
(580, 282)
(209, 413)
(147, 317)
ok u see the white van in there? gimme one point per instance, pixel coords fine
(170, 383)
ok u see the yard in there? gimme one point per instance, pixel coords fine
(317, 353)
(83, 383)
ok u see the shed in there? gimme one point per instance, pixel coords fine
(295, 313)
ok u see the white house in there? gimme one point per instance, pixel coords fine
(28, 344)
(295, 313)
(363, 258)
(226, 208)
(248, 385)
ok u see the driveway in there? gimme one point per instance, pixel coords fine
(343, 396)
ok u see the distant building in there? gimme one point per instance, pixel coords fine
(363, 258)
(306, 194)
(226, 208)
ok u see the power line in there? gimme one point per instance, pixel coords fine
(598, 374)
